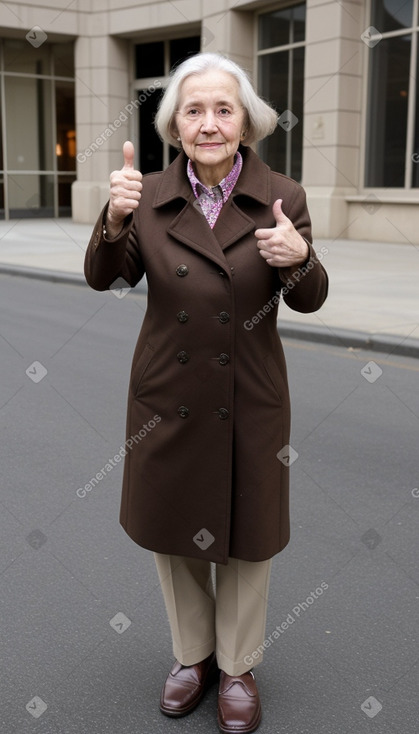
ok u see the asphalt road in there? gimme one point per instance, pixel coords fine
(85, 645)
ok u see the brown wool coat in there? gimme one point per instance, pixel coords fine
(204, 480)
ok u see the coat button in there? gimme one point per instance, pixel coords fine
(223, 414)
(182, 270)
(183, 357)
(182, 316)
(223, 359)
(183, 411)
(224, 317)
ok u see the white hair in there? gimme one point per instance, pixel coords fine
(261, 117)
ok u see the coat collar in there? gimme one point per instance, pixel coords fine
(254, 180)
(233, 222)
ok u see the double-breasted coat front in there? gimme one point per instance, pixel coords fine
(208, 395)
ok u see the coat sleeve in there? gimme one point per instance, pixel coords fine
(108, 259)
(305, 286)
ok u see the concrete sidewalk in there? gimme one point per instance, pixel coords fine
(373, 298)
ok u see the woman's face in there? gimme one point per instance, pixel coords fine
(210, 120)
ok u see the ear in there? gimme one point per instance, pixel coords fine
(246, 137)
(174, 133)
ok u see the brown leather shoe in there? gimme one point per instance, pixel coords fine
(185, 686)
(239, 709)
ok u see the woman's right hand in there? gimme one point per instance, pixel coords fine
(125, 192)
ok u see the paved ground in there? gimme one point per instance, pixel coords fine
(84, 642)
(373, 299)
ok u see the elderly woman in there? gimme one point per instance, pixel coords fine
(219, 236)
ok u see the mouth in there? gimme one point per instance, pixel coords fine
(209, 145)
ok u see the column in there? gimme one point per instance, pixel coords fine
(332, 105)
(103, 116)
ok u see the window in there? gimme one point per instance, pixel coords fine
(393, 92)
(281, 47)
(153, 62)
(38, 139)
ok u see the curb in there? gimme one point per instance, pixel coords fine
(390, 344)
(54, 276)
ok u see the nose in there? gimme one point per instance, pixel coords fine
(209, 123)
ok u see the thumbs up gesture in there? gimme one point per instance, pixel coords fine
(125, 191)
(281, 246)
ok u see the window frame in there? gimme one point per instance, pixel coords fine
(54, 172)
(258, 53)
(407, 190)
(143, 82)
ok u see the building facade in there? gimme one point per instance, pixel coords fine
(79, 78)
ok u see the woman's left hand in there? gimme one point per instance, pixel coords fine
(281, 246)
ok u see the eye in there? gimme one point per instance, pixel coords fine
(224, 111)
(193, 112)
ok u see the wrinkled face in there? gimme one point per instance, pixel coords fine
(210, 121)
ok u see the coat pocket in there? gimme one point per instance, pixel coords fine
(275, 377)
(139, 369)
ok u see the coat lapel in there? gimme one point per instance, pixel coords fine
(254, 183)
(191, 228)
(190, 225)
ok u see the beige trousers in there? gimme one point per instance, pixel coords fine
(229, 620)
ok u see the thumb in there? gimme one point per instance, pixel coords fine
(279, 215)
(128, 151)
